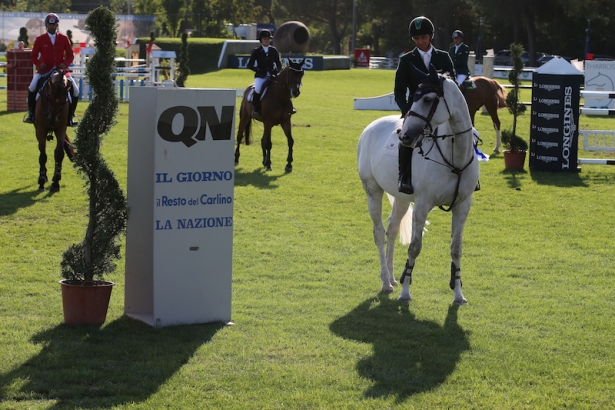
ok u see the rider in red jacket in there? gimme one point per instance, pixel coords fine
(51, 50)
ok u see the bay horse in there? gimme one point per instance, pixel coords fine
(276, 109)
(445, 173)
(51, 117)
(492, 95)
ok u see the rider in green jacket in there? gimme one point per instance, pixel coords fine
(424, 54)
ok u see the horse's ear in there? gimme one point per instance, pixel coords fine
(420, 74)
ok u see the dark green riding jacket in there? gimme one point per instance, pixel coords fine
(406, 79)
(460, 58)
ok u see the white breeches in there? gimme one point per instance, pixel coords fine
(37, 76)
(461, 78)
(258, 84)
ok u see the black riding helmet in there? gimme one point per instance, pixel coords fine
(421, 25)
(263, 34)
(457, 33)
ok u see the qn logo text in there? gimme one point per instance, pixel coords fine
(195, 124)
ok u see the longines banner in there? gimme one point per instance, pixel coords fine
(313, 63)
(554, 123)
(179, 236)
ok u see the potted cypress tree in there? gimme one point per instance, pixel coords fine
(516, 146)
(84, 264)
(184, 71)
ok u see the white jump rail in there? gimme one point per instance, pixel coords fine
(598, 140)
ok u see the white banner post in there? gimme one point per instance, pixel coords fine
(179, 235)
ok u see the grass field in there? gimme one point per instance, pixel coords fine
(311, 329)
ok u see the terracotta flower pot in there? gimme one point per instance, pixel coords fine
(514, 159)
(85, 303)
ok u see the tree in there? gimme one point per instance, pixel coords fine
(23, 36)
(515, 107)
(173, 9)
(184, 71)
(107, 212)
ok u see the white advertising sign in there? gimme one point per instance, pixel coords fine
(180, 192)
(599, 76)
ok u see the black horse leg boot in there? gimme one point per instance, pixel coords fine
(256, 101)
(31, 104)
(405, 170)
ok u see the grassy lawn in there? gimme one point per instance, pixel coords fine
(311, 329)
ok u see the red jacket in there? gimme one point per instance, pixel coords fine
(51, 55)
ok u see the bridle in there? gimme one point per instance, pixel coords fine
(296, 84)
(428, 132)
(56, 96)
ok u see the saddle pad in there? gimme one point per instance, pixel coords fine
(391, 147)
(251, 94)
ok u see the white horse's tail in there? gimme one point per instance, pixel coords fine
(405, 226)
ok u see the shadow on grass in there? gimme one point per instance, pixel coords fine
(511, 177)
(410, 356)
(12, 201)
(92, 367)
(258, 178)
(560, 179)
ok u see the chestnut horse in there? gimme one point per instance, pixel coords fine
(492, 95)
(276, 109)
(51, 117)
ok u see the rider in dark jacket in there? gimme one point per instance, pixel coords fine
(459, 53)
(424, 54)
(265, 62)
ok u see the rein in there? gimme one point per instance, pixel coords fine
(428, 132)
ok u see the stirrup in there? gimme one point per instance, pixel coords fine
(72, 122)
(29, 119)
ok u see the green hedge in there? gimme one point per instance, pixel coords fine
(203, 53)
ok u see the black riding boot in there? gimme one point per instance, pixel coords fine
(31, 104)
(405, 170)
(71, 112)
(256, 101)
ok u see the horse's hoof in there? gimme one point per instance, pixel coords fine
(404, 298)
(54, 187)
(288, 169)
(460, 302)
(236, 163)
(269, 169)
(41, 188)
(387, 289)
(394, 283)
(496, 151)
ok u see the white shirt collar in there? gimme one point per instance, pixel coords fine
(52, 37)
(428, 52)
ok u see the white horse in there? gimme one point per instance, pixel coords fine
(444, 168)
